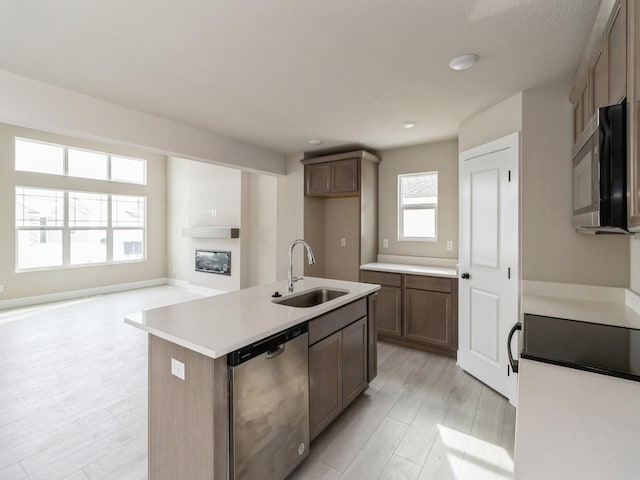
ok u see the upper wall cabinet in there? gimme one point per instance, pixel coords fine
(613, 75)
(602, 79)
(633, 111)
(338, 177)
(616, 48)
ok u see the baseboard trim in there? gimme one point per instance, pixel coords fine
(86, 292)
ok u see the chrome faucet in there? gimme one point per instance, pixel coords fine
(310, 258)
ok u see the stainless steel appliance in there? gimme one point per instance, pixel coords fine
(600, 173)
(269, 406)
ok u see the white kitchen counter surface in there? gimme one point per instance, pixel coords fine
(411, 269)
(575, 424)
(218, 325)
(597, 311)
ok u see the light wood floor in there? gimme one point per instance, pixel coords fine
(73, 404)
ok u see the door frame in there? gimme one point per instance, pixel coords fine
(509, 142)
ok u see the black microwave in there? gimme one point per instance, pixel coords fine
(600, 173)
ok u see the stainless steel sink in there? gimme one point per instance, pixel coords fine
(310, 298)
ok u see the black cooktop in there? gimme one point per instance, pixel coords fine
(593, 347)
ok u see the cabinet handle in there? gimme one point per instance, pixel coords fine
(512, 361)
(465, 276)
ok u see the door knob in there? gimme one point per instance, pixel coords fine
(465, 276)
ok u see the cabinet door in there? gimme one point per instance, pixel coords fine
(586, 107)
(616, 42)
(599, 82)
(325, 382)
(317, 178)
(577, 120)
(428, 317)
(344, 176)
(389, 320)
(634, 115)
(354, 360)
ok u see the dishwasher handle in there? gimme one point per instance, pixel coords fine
(275, 352)
(512, 361)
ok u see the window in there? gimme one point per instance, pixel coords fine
(58, 228)
(418, 206)
(40, 157)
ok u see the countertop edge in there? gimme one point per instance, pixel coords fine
(411, 270)
(130, 319)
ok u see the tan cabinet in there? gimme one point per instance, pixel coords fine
(599, 85)
(417, 310)
(333, 178)
(325, 382)
(389, 301)
(354, 361)
(633, 111)
(616, 47)
(341, 213)
(339, 359)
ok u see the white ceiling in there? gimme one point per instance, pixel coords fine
(279, 72)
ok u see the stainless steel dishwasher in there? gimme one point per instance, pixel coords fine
(269, 406)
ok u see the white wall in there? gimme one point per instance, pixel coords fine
(194, 189)
(33, 104)
(35, 283)
(259, 215)
(439, 156)
(495, 122)
(290, 216)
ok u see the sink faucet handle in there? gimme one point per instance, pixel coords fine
(295, 279)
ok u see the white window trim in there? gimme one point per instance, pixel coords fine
(65, 163)
(424, 206)
(66, 232)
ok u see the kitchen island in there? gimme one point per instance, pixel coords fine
(189, 387)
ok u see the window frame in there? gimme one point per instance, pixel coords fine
(66, 229)
(422, 206)
(65, 163)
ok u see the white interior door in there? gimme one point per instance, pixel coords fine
(489, 261)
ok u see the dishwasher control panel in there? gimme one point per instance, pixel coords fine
(269, 344)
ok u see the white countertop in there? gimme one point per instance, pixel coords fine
(218, 325)
(606, 305)
(575, 424)
(411, 269)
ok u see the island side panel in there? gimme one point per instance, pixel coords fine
(187, 418)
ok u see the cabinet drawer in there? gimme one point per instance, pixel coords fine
(381, 278)
(331, 322)
(434, 284)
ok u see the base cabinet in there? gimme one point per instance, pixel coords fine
(428, 317)
(417, 310)
(338, 363)
(325, 382)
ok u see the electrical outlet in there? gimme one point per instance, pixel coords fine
(177, 369)
(450, 245)
(214, 212)
(343, 242)
(385, 243)
(1, 288)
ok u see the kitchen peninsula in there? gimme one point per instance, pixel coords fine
(191, 377)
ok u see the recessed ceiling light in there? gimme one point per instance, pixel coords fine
(464, 62)
(315, 141)
(408, 124)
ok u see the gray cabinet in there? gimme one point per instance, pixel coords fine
(416, 310)
(338, 177)
(340, 213)
(339, 362)
(633, 112)
(325, 383)
(616, 47)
